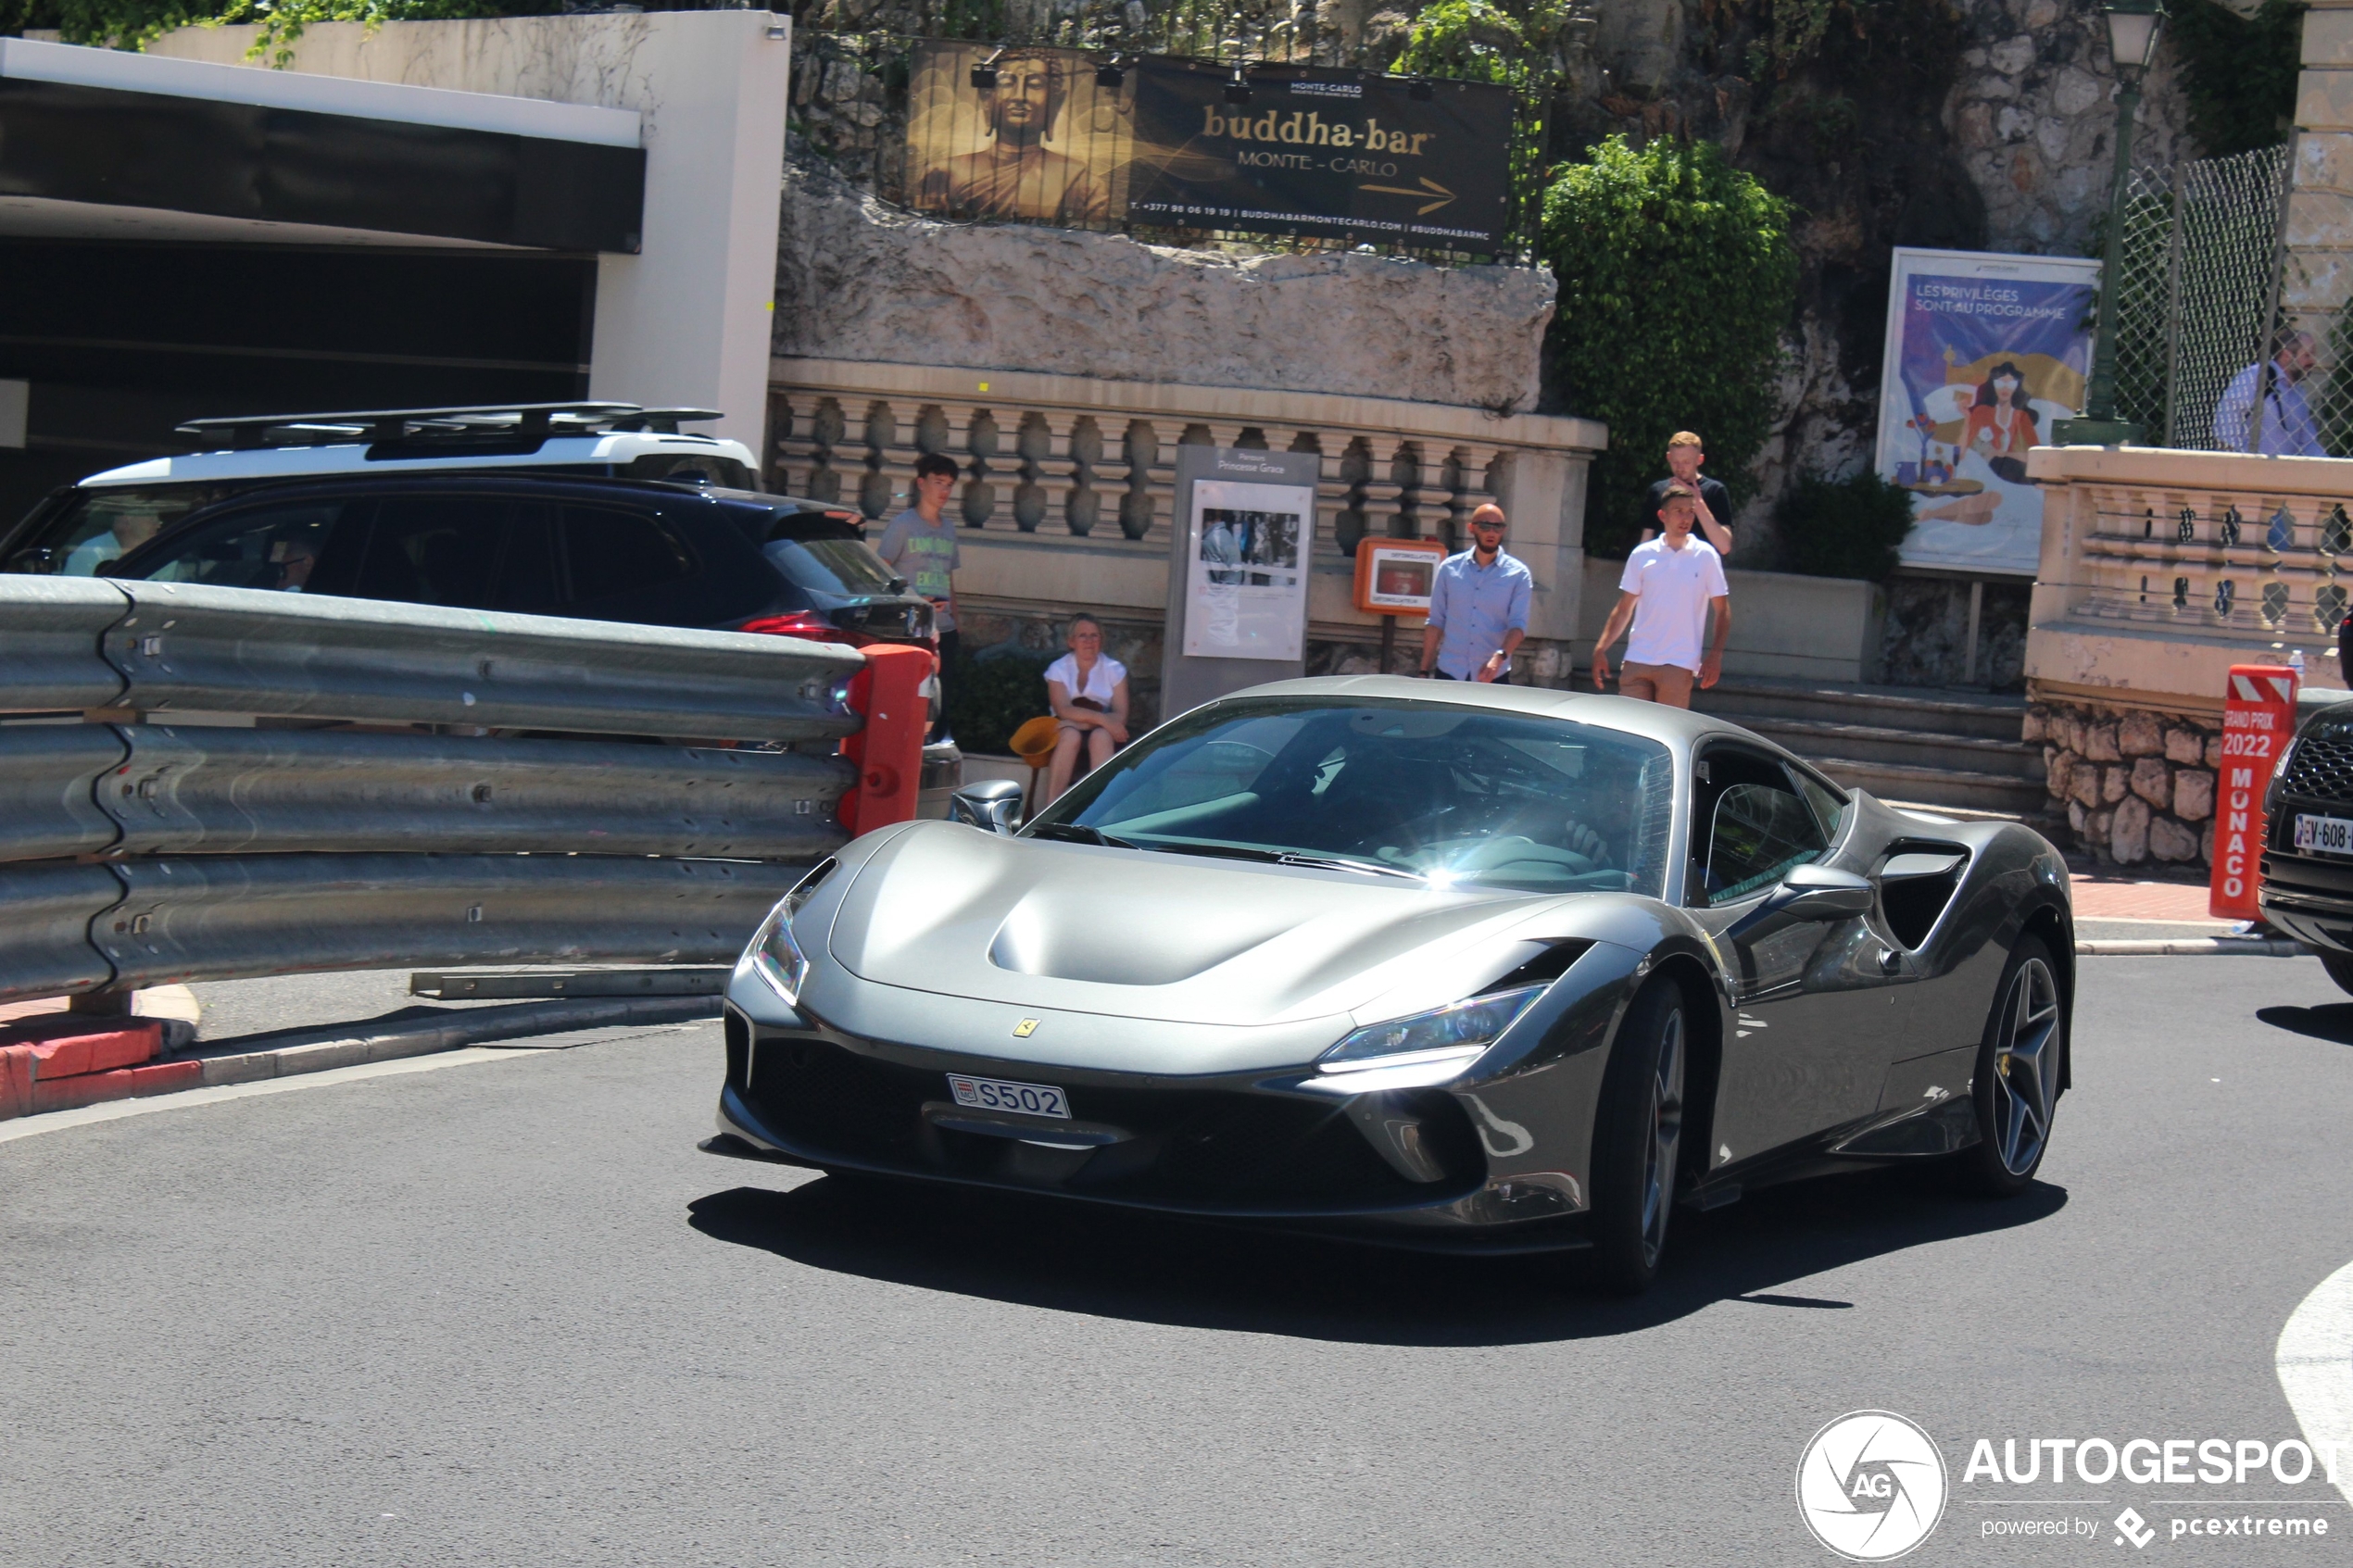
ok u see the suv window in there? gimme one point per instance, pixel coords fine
(833, 566)
(305, 546)
(613, 552)
(1750, 826)
(98, 526)
(443, 550)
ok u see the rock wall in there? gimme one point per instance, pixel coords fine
(858, 280)
(1969, 125)
(2138, 787)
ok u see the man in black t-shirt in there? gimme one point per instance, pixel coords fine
(1713, 502)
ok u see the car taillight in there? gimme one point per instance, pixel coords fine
(802, 623)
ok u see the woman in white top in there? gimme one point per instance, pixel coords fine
(1088, 691)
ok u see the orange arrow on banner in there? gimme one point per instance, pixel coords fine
(1435, 189)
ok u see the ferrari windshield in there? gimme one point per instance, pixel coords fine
(1445, 794)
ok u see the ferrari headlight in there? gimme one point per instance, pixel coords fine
(1449, 1033)
(774, 953)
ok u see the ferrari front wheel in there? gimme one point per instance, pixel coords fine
(1637, 1135)
(2015, 1086)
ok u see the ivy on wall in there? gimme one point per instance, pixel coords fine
(2238, 72)
(1677, 276)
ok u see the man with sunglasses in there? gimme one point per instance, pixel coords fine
(1477, 607)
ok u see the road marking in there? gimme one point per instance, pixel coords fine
(2315, 1365)
(57, 1121)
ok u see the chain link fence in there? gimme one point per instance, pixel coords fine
(2233, 328)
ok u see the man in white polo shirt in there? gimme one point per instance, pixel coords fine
(1672, 589)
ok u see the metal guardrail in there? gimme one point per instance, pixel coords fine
(136, 851)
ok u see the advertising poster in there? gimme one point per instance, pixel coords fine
(1047, 144)
(1247, 597)
(1322, 152)
(1046, 137)
(1983, 353)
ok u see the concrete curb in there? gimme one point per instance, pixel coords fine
(425, 1037)
(2196, 947)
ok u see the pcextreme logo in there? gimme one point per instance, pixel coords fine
(1871, 1485)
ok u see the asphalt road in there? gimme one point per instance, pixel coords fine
(505, 1313)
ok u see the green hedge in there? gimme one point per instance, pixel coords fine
(992, 693)
(1677, 277)
(1849, 527)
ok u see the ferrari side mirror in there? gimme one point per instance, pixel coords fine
(991, 805)
(1824, 892)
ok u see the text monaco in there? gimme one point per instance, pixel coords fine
(2151, 1462)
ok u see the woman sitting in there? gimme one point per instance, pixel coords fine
(1088, 691)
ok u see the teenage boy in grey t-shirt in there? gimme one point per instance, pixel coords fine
(919, 545)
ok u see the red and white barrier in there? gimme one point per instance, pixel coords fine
(2259, 715)
(889, 751)
(61, 1061)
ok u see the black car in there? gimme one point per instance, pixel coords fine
(654, 553)
(2307, 888)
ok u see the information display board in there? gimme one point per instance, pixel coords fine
(1983, 352)
(1238, 571)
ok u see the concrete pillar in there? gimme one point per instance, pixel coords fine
(1542, 495)
(688, 320)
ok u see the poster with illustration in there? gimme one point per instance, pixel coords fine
(1983, 353)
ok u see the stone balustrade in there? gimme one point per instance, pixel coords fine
(1069, 484)
(2159, 571)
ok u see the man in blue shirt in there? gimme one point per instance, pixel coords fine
(1478, 606)
(2288, 428)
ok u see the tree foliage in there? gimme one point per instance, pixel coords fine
(2238, 72)
(1849, 527)
(1677, 276)
(133, 24)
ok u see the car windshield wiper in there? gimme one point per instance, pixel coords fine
(1284, 858)
(1079, 832)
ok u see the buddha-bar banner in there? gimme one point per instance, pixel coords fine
(1053, 136)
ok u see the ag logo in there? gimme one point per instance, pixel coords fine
(1871, 1485)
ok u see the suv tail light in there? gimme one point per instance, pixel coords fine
(803, 624)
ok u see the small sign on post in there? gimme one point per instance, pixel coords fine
(1396, 577)
(2259, 714)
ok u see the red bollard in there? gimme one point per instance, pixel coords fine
(889, 751)
(2259, 715)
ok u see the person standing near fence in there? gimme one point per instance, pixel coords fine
(2288, 428)
(919, 545)
(1672, 589)
(1478, 606)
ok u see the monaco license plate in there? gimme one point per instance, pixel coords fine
(993, 1094)
(2330, 835)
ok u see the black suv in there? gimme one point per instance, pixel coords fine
(2307, 888)
(654, 553)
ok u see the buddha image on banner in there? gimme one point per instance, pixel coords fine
(1037, 139)
(1983, 353)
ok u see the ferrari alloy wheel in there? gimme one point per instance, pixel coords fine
(2016, 1082)
(1638, 1140)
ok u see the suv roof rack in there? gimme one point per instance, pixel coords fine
(501, 422)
